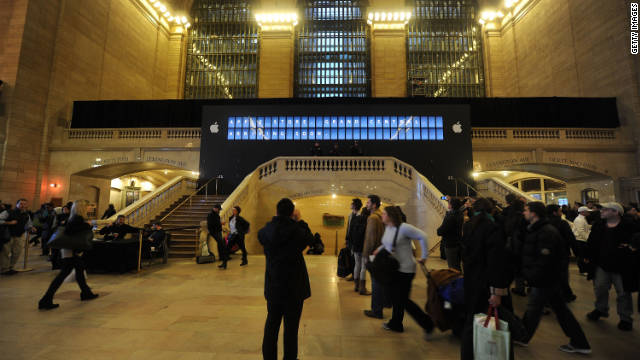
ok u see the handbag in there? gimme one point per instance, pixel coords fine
(384, 265)
(345, 263)
(491, 336)
(82, 240)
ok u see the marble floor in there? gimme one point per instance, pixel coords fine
(187, 311)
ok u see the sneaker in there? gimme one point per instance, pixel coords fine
(625, 325)
(389, 328)
(372, 314)
(595, 315)
(572, 349)
(521, 343)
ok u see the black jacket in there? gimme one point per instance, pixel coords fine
(108, 213)
(242, 225)
(75, 225)
(542, 254)
(121, 230)
(484, 258)
(356, 233)
(213, 224)
(286, 279)
(22, 217)
(451, 229)
(611, 257)
(569, 239)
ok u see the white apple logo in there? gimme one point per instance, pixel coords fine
(457, 127)
(214, 128)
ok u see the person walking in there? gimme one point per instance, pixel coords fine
(372, 238)
(238, 228)
(71, 259)
(554, 214)
(215, 230)
(451, 232)
(541, 263)
(397, 239)
(286, 281)
(606, 252)
(486, 275)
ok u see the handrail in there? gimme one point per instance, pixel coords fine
(185, 200)
(508, 188)
(143, 207)
(467, 185)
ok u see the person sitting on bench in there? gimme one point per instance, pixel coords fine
(154, 240)
(118, 230)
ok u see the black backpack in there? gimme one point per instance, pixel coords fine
(345, 263)
(358, 230)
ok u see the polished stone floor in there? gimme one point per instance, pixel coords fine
(187, 311)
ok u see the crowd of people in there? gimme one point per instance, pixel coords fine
(527, 244)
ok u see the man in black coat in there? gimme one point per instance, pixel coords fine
(554, 213)
(286, 281)
(118, 230)
(607, 251)
(451, 232)
(541, 263)
(215, 230)
(486, 279)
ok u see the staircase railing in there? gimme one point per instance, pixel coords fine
(151, 204)
(501, 188)
(188, 199)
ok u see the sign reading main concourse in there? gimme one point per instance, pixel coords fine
(239, 136)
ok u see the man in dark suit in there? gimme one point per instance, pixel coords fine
(215, 230)
(118, 230)
(286, 281)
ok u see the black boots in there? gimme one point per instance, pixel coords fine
(46, 304)
(88, 296)
(244, 261)
(223, 265)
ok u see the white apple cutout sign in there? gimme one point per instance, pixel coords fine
(214, 128)
(457, 127)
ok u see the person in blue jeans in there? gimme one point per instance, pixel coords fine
(541, 263)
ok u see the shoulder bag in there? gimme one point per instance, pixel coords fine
(384, 264)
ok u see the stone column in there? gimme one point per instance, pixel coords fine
(275, 78)
(388, 20)
(388, 61)
(177, 51)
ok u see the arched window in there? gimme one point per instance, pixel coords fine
(222, 51)
(444, 49)
(332, 50)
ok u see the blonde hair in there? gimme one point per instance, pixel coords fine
(79, 208)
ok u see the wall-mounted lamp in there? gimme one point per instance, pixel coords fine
(54, 185)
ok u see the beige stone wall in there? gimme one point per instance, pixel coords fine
(73, 50)
(388, 63)
(567, 48)
(275, 78)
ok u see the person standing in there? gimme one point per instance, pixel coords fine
(451, 232)
(20, 222)
(109, 212)
(581, 230)
(541, 263)
(286, 281)
(372, 237)
(372, 240)
(397, 239)
(238, 228)
(71, 259)
(355, 241)
(215, 230)
(606, 251)
(485, 268)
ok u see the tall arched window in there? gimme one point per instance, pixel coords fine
(444, 49)
(222, 52)
(332, 50)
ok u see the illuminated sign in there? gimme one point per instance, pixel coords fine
(387, 127)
